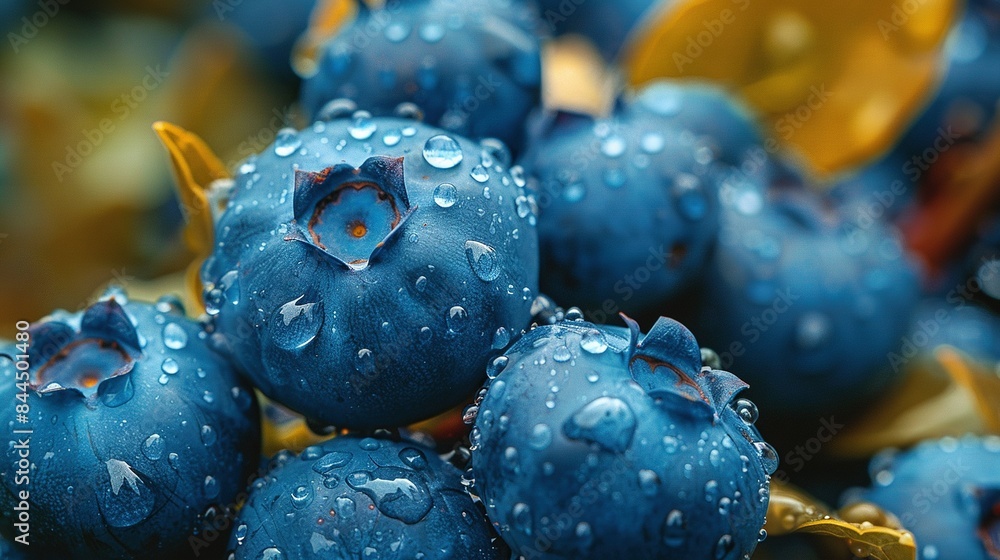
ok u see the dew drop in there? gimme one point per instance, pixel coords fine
(286, 142)
(431, 32)
(457, 319)
(652, 142)
(392, 137)
(561, 354)
(521, 517)
(724, 547)
(689, 197)
(170, 366)
(593, 342)
(394, 492)
(174, 336)
(445, 195)
(501, 338)
(362, 126)
(649, 482)
(613, 146)
(674, 532)
(153, 447)
(302, 496)
(812, 330)
(442, 151)
(483, 260)
(768, 455)
(606, 421)
(541, 437)
(208, 436)
(210, 488)
(496, 366)
(479, 174)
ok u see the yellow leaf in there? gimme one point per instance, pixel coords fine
(576, 78)
(880, 543)
(327, 18)
(198, 172)
(837, 81)
(947, 394)
(981, 383)
(792, 510)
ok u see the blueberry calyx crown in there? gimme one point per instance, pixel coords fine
(666, 363)
(92, 360)
(349, 214)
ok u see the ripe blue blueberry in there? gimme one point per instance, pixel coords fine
(139, 430)
(471, 66)
(804, 303)
(715, 117)
(969, 328)
(365, 269)
(947, 492)
(657, 239)
(353, 497)
(598, 442)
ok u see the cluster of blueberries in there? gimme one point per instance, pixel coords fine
(376, 268)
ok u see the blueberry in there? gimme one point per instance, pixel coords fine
(138, 430)
(471, 66)
(715, 117)
(657, 238)
(354, 497)
(806, 304)
(969, 328)
(597, 442)
(366, 269)
(947, 492)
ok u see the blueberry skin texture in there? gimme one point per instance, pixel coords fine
(126, 468)
(472, 66)
(406, 335)
(805, 304)
(706, 110)
(945, 491)
(353, 497)
(657, 239)
(592, 444)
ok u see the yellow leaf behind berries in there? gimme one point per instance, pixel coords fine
(866, 530)
(837, 81)
(197, 171)
(328, 17)
(943, 394)
(575, 78)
